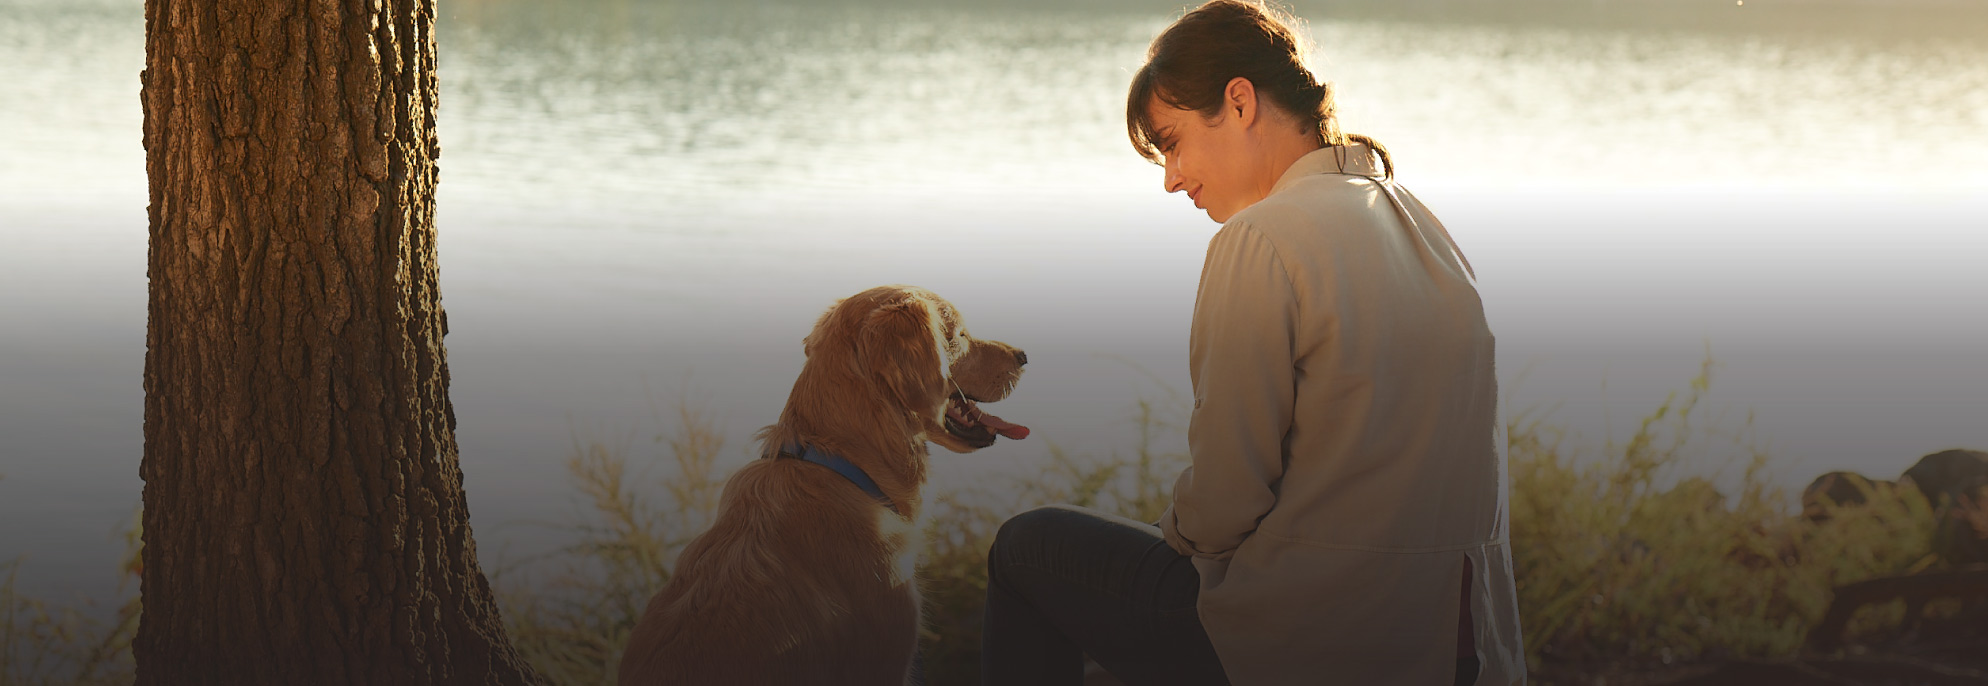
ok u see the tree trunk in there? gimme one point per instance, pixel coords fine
(304, 518)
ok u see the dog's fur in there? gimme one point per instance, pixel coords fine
(803, 578)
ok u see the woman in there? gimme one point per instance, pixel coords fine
(1343, 520)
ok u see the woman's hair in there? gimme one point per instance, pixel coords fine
(1190, 65)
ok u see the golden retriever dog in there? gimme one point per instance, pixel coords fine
(806, 575)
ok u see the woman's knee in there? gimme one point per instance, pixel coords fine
(1031, 531)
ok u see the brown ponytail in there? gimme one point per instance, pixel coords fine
(1190, 64)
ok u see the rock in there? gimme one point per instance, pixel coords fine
(1946, 475)
(1956, 483)
(1961, 537)
(1838, 490)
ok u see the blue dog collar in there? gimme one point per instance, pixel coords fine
(849, 471)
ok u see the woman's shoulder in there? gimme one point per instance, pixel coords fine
(1311, 205)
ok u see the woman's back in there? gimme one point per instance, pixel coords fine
(1388, 474)
(1344, 517)
(1396, 398)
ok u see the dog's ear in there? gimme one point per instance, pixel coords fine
(821, 328)
(898, 350)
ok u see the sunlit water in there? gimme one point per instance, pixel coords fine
(644, 202)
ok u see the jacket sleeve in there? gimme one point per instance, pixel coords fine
(1240, 360)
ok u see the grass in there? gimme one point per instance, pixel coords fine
(1632, 562)
(1626, 560)
(44, 644)
(570, 612)
(1631, 558)
(572, 622)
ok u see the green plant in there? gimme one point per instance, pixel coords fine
(46, 644)
(1627, 561)
(961, 524)
(573, 624)
(572, 621)
(1646, 553)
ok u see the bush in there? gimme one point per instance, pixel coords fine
(1628, 561)
(49, 644)
(573, 624)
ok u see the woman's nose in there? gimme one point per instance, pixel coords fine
(1171, 179)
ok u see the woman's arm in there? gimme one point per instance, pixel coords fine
(1240, 354)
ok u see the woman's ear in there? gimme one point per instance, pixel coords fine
(1239, 98)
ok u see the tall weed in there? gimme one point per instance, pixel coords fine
(44, 644)
(1645, 554)
(1637, 559)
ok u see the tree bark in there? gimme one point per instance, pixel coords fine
(304, 518)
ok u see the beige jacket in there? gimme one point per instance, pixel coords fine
(1347, 451)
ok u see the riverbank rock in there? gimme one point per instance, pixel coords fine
(1948, 476)
(1837, 490)
(1859, 671)
(1956, 483)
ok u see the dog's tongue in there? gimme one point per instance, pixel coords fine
(1001, 426)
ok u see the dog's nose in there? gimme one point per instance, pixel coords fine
(1021, 358)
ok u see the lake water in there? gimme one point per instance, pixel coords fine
(648, 201)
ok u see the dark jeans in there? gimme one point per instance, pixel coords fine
(1064, 582)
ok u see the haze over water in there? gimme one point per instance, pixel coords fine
(642, 200)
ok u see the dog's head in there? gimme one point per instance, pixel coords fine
(913, 347)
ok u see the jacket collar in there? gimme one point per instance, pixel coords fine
(1358, 160)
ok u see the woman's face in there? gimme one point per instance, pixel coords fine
(1209, 159)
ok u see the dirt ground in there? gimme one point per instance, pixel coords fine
(1954, 660)
(1951, 663)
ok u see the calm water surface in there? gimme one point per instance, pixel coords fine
(644, 202)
